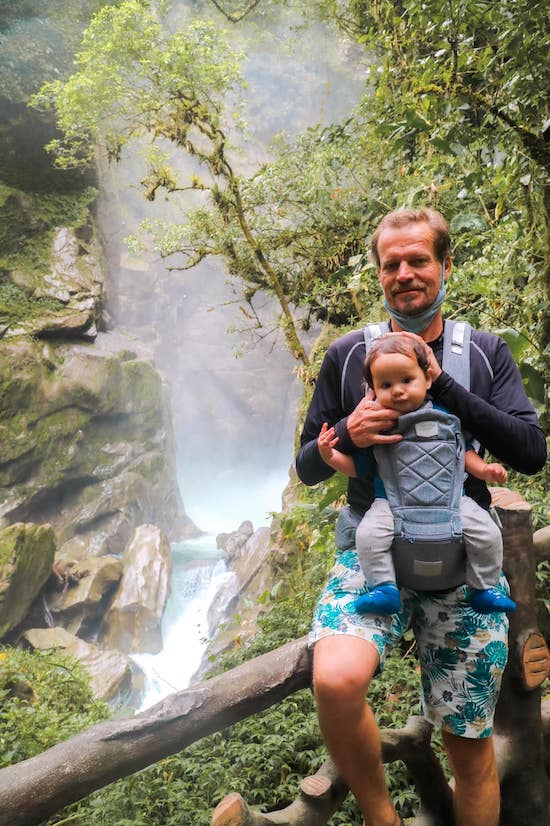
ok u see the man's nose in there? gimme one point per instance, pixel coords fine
(404, 272)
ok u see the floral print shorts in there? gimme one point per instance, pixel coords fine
(462, 653)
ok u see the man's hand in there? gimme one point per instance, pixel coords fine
(369, 420)
(433, 364)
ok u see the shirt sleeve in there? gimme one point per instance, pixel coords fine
(506, 425)
(324, 407)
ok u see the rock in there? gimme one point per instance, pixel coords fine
(132, 623)
(252, 576)
(110, 672)
(232, 544)
(26, 557)
(72, 285)
(87, 442)
(79, 602)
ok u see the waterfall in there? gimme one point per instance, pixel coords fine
(198, 572)
(234, 418)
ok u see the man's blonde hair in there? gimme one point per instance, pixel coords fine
(402, 217)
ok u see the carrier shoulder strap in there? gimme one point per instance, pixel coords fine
(456, 351)
(456, 347)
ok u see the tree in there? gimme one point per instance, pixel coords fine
(460, 95)
(453, 116)
(132, 80)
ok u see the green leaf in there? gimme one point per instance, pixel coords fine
(516, 341)
(417, 120)
(534, 382)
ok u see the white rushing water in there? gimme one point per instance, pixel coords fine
(198, 573)
(234, 419)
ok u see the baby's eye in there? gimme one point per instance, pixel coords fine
(407, 380)
(385, 385)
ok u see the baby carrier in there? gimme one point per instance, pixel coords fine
(423, 477)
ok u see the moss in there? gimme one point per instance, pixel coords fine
(27, 226)
(142, 388)
(27, 552)
(49, 441)
(27, 222)
(16, 306)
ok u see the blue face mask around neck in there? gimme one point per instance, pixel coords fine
(420, 321)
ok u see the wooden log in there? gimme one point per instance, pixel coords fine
(524, 783)
(321, 795)
(541, 542)
(412, 746)
(34, 789)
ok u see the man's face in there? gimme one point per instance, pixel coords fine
(409, 272)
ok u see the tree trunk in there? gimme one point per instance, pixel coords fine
(524, 783)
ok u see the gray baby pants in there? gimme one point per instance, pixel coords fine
(482, 540)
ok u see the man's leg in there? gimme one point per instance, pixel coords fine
(343, 667)
(477, 789)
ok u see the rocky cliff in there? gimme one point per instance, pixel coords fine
(88, 450)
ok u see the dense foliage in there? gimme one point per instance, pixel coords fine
(45, 697)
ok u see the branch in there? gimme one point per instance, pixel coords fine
(321, 794)
(108, 751)
(534, 144)
(236, 18)
(541, 541)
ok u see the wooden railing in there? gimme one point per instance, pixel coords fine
(34, 789)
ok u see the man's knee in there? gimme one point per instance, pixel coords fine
(342, 670)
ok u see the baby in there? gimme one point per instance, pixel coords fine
(397, 370)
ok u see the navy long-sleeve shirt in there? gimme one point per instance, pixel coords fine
(496, 411)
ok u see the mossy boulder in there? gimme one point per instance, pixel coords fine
(87, 441)
(27, 553)
(58, 293)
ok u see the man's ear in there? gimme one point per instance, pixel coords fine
(448, 267)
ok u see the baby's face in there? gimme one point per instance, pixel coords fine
(399, 382)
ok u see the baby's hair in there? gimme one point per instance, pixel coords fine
(396, 343)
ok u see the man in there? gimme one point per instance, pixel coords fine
(411, 249)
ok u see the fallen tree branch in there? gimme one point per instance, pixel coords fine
(34, 789)
(322, 793)
(541, 542)
(320, 797)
